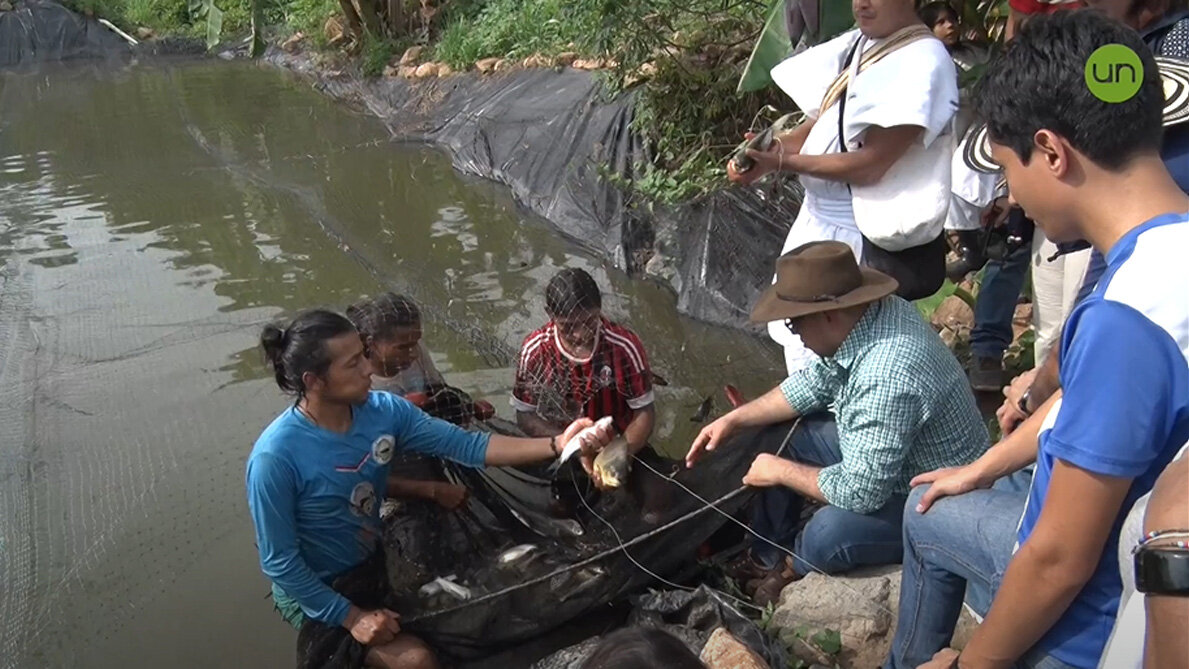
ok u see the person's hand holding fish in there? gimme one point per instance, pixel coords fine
(587, 438)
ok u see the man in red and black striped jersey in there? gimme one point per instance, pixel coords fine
(581, 364)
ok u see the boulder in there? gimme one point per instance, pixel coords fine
(953, 313)
(444, 70)
(861, 607)
(5, 6)
(407, 71)
(290, 45)
(587, 64)
(724, 651)
(142, 33)
(503, 65)
(566, 58)
(412, 55)
(391, 71)
(333, 31)
(486, 65)
(425, 70)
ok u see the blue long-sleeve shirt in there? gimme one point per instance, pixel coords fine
(314, 495)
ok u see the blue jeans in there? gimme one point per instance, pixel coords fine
(995, 307)
(960, 541)
(835, 540)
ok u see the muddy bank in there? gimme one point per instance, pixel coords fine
(553, 138)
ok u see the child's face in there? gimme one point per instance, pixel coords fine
(396, 352)
(946, 29)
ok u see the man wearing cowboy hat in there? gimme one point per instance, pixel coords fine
(900, 406)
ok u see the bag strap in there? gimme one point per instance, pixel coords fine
(898, 39)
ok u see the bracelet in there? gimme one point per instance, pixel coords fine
(1164, 534)
(553, 445)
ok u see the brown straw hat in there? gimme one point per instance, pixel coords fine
(820, 276)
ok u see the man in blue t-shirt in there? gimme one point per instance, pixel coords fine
(1042, 567)
(317, 474)
(1165, 29)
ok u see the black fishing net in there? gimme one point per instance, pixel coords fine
(507, 567)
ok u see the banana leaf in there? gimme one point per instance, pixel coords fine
(214, 25)
(772, 47)
(790, 22)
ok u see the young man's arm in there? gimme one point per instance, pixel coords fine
(640, 428)
(1167, 642)
(1123, 379)
(535, 426)
(446, 495)
(1051, 567)
(1010, 455)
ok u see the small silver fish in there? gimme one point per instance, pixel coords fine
(441, 584)
(515, 553)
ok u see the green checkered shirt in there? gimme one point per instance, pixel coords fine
(902, 403)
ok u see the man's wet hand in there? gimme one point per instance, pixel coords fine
(709, 438)
(766, 470)
(372, 628)
(591, 444)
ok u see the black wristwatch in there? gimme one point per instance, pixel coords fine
(1162, 570)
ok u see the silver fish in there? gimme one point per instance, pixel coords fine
(575, 443)
(441, 584)
(515, 553)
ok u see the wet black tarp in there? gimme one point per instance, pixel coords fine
(553, 137)
(691, 616)
(36, 31)
(611, 546)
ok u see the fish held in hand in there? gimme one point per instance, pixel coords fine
(575, 443)
(614, 463)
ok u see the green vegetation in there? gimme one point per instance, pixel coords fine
(684, 59)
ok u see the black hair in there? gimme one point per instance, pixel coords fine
(570, 290)
(1038, 82)
(641, 648)
(301, 347)
(381, 316)
(932, 12)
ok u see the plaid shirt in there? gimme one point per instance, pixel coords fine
(902, 403)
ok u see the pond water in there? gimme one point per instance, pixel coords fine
(152, 218)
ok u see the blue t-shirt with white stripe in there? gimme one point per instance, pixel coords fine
(314, 495)
(1125, 408)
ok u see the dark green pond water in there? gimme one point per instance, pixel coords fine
(152, 218)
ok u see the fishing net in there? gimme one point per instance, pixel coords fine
(507, 567)
(290, 202)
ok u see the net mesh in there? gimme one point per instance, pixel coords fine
(144, 250)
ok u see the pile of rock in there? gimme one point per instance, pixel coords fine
(860, 607)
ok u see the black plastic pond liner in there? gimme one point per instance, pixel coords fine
(565, 150)
(39, 31)
(577, 564)
(688, 615)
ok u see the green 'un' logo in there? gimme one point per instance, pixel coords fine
(1114, 73)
